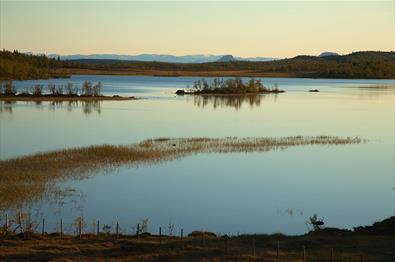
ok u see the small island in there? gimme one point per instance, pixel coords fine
(229, 87)
(63, 92)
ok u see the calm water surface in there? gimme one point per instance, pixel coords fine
(233, 193)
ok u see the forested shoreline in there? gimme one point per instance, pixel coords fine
(363, 65)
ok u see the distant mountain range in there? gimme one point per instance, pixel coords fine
(324, 54)
(169, 58)
(163, 58)
(227, 58)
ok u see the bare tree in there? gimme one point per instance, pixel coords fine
(8, 89)
(52, 89)
(37, 90)
(59, 90)
(96, 89)
(87, 89)
(70, 90)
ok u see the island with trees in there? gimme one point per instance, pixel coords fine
(234, 86)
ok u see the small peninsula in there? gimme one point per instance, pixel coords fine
(65, 92)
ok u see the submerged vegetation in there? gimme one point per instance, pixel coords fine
(230, 87)
(24, 178)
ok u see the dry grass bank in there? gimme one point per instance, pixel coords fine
(175, 73)
(353, 248)
(24, 178)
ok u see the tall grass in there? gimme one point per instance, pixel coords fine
(24, 178)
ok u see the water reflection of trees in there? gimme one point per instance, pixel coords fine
(88, 107)
(235, 101)
(6, 106)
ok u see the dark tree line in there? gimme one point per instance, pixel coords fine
(369, 64)
(19, 66)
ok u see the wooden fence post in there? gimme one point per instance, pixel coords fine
(182, 238)
(331, 254)
(304, 253)
(117, 230)
(80, 227)
(98, 228)
(6, 223)
(61, 228)
(160, 235)
(253, 246)
(278, 249)
(138, 231)
(43, 228)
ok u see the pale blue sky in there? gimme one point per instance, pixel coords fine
(273, 29)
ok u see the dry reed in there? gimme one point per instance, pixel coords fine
(24, 178)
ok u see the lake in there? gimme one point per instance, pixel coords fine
(233, 193)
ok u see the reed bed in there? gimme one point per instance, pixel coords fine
(27, 177)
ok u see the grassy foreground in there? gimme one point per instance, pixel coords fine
(372, 243)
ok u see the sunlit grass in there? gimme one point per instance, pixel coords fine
(26, 177)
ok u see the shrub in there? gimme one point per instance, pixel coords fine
(37, 90)
(235, 85)
(59, 90)
(51, 89)
(70, 90)
(96, 89)
(8, 88)
(87, 89)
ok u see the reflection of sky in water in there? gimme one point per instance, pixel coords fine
(347, 185)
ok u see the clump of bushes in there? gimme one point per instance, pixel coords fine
(88, 89)
(71, 90)
(233, 86)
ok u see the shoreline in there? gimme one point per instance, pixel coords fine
(212, 73)
(168, 73)
(370, 243)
